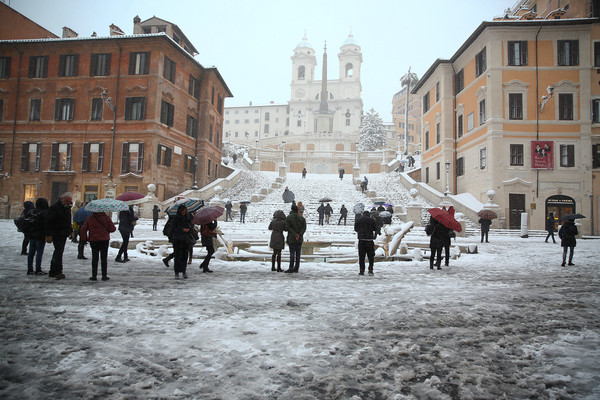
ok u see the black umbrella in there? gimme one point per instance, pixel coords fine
(570, 216)
(325, 200)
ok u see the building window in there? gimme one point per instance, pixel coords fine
(1, 156)
(517, 53)
(459, 126)
(192, 126)
(438, 133)
(567, 155)
(63, 109)
(30, 156)
(97, 105)
(437, 171)
(267, 116)
(460, 166)
(93, 157)
(437, 92)
(220, 105)
(427, 175)
(301, 72)
(208, 167)
(482, 112)
(139, 63)
(169, 69)
(35, 109)
(299, 123)
(164, 155)
(426, 102)
(266, 128)
(188, 163)
(568, 52)
(515, 106)
(4, 67)
(38, 66)
(218, 141)
(135, 108)
(60, 158)
(347, 121)
(90, 193)
(1, 109)
(459, 81)
(482, 158)
(516, 154)
(194, 88)
(210, 133)
(167, 112)
(596, 55)
(565, 106)
(68, 65)
(480, 63)
(212, 97)
(427, 140)
(132, 157)
(596, 110)
(100, 64)
(596, 156)
(470, 121)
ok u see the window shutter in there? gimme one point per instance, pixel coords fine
(146, 63)
(68, 163)
(171, 114)
(100, 156)
(575, 52)
(24, 154)
(75, 64)
(57, 104)
(31, 66)
(71, 103)
(511, 53)
(54, 157)
(45, 67)
(128, 101)
(61, 65)
(561, 53)
(93, 62)
(163, 112)
(107, 64)
(158, 154)
(140, 157)
(38, 156)
(571, 155)
(132, 57)
(125, 157)
(168, 157)
(142, 108)
(85, 158)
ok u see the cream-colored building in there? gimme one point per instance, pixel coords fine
(528, 79)
(414, 121)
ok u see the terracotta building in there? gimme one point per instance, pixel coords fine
(517, 110)
(57, 98)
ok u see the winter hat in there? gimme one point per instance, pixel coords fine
(294, 208)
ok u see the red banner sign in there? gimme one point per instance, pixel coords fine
(542, 154)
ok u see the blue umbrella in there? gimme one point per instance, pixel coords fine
(81, 215)
(190, 203)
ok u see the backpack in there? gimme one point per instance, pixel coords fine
(27, 223)
(168, 227)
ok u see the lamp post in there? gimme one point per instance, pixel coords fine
(256, 152)
(282, 152)
(447, 177)
(356, 153)
(111, 186)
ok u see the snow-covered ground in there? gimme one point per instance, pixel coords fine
(508, 322)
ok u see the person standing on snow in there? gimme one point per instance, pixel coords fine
(438, 233)
(155, 211)
(567, 234)
(58, 229)
(37, 237)
(126, 220)
(277, 242)
(228, 207)
(321, 211)
(97, 229)
(304, 173)
(295, 225)
(550, 227)
(485, 228)
(181, 237)
(367, 229)
(328, 212)
(243, 209)
(28, 206)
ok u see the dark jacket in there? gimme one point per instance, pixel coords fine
(155, 212)
(181, 221)
(295, 224)
(567, 234)
(550, 224)
(41, 210)
(126, 219)
(243, 208)
(366, 227)
(440, 235)
(344, 211)
(321, 210)
(277, 225)
(328, 210)
(58, 221)
(97, 228)
(485, 224)
(207, 240)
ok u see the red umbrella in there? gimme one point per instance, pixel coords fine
(207, 214)
(487, 214)
(130, 196)
(445, 219)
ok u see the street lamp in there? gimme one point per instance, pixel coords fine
(113, 108)
(282, 146)
(256, 152)
(356, 152)
(447, 177)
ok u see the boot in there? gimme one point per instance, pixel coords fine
(273, 263)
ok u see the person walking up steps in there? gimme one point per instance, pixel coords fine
(343, 214)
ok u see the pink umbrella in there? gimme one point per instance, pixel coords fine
(207, 214)
(129, 197)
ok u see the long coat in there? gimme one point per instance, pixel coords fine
(366, 227)
(58, 221)
(295, 224)
(181, 221)
(126, 219)
(39, 229)
(277, 225)
(485, 224)
(439, 234)
(567, 234)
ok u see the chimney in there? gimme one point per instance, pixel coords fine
(68, 33)
(116, 31)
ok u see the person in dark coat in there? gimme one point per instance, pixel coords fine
(321, 211)
(126, 219)
(364, 184)
(208, 233)
(550, 227)
(341, 173)
(58, 229)
(97, 229)
(155, 211)
(328, 212)
(180, 236)
(439, 235)
(485, 228)
(367, 229)
(343, 214)
(243, 209)
(567, 234)
(28, 206)
(380, 208)
(304, 173)
(37, 237)
(295, 225)
(277, 242)
(228, 207)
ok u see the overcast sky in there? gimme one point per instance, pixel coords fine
(251, 42)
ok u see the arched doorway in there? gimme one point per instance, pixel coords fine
(560, 205)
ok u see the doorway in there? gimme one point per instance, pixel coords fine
(58, 188)
(560, 205)
(516, 205)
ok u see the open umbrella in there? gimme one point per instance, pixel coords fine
(487, 214)
(379, 203)
(81, 215)
(570, 216)
(388, 205)
(245, 202)
(358, 208)
(445, 219)
(325, 200)
(207, 214)
(107, 205)
(190, 203)
(131, 197)
(385, 214)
